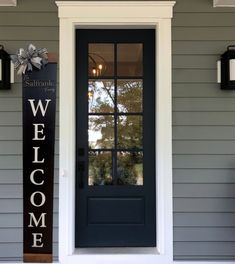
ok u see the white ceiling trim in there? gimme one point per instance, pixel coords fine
(8, 2)
(224, 3)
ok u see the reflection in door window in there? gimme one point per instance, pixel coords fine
(101, 96)
(130, 168)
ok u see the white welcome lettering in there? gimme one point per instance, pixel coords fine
(37, 238)
(37, 132)
(43, 199)
(39, 106)
(36, 156)
(35, 221)
(32, 177)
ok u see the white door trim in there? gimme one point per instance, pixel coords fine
(116, 14)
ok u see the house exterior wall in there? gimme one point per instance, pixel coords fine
(203, 134)
(203, 129)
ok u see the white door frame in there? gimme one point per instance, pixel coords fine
(116, 14)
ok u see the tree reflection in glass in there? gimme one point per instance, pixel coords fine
(101, 96)
(129, 132)
(129, 96)
(101, 132)
(120, 117)
(100, 168)
(130, 168)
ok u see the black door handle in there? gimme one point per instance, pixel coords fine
(81, 169)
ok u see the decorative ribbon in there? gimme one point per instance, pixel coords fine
(25, 60)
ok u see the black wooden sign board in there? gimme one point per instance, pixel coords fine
(39, 109)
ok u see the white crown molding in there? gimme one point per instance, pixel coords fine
(224, 3)
(8, 2)
(87, 10)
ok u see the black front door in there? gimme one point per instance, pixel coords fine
(115, 138)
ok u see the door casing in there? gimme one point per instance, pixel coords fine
(107, 14)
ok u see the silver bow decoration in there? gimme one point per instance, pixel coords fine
(25, 60)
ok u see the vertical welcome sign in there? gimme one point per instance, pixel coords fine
(39, 108)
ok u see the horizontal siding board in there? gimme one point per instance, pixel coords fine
(14, 119)
(11, 162)
(203, 118)
(16, 220)
(203, 147)
(204, 104)
(203, 132)
(16, 176)
(207, 205)
(15, 133)
(11, 176)
(28, 18)
(200, 47)
(15, 162)
(205, 258)
(12, 46)
(11, 133)
(29, 34)
(204, 161)
(205, 220)
(205, 33)
(12, 250)
(14, 92)
(202, 234)
(14, 104)
(15, 235)
(10, 118)
(200, 249)
(194, 76)
(10, 147)
(32, 6)
(198, 6)
(16, 206)
(194, 61)
(200, 90)
(15, 251)
(201, 19)
(203, 176)
(200, 190)
(15, 191)
(14, 147)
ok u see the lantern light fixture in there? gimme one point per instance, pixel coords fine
(6, 70)
(226, 69)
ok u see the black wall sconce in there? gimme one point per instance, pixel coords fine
(6, 70)
(226, 69)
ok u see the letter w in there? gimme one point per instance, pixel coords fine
(39, 105)
(35, 221)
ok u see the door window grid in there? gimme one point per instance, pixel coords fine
(113, 168)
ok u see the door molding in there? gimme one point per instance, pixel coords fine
(116, 14)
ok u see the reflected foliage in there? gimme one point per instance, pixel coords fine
(101, 132)
(129, 132)
(130, 168)
(129, 96)
(101, 96)
(100, 168)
